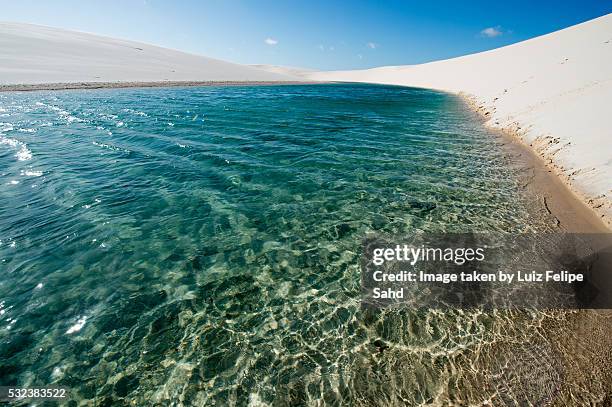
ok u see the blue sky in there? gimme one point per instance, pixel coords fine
(313, 33)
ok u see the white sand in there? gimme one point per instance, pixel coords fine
(32, 54)
(554, 91)
(285, 70)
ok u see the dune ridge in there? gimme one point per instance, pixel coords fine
(32, 54)
(552, 92)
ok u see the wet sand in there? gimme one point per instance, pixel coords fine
(579, 340)
(572, 214)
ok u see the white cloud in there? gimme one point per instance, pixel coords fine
(491, 32)
(324, 48)
(372, 45)
(271, 41)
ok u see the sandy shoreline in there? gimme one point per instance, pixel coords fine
(135, 84)
(563, 202)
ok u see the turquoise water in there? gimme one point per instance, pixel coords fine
(203, 244)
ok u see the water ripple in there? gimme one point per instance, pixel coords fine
(204, 243)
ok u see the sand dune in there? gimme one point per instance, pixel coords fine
(553, 91)
(32, 54)
(285, 70)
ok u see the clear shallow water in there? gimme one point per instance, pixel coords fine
(203, 244)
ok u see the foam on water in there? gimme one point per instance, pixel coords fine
(31, 173)
(23, 152)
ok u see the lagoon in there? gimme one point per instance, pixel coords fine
(203, 243)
